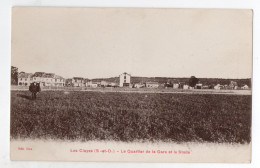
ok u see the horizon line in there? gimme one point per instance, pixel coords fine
(140, 76)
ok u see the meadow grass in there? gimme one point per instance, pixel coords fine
(129, 117)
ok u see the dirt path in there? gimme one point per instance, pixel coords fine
(168, 91)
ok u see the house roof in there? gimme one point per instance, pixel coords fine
(58, 77)
(43, 75)
(25, 75)
(80, 78)
(125, 74)
(48, 75)
(38, 74)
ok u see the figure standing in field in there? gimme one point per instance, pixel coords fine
(34, 88)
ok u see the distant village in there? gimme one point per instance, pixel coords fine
(123, 80)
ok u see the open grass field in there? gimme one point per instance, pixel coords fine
(128, 117)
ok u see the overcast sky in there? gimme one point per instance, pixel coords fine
(105, 42)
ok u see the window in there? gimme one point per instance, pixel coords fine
(124, 81)
(124, 77)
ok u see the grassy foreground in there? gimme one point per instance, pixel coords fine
(131, 116)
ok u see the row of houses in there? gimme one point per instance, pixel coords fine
(51, 79)
(82, 82)
(45, 79)
(232, 86)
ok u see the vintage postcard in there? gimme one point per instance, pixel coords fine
(131, 84)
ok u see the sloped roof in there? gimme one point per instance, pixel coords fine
(25, 75)
(58, 77)
(125, 74)
(87, 80)
(80, 78)
(48, 75)
(38, 74)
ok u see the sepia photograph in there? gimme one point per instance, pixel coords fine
(131, 84)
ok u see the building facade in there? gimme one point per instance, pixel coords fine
(48, 79)
(92, 84)
(124, 80)
(25, 79)
(78, 82)
(152, 84)
(68, 82)
(175, 85)
(139, 85)
(45, 79)
(198, 86)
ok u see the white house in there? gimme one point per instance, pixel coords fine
(113, 84)
(59, 81)
(39, 77)
(92, 84)
(104, 83)
(218, 87)
(205, 87)
(233, 85)
(139, 85)
(152, 84)
(175, 86)
(25, 79)
(48, 79)
(198, 86)
(245, 87)
(78, 82)
(45, 79)
(124, 80)
(185, 86)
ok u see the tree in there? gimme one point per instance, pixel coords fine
(14, 75)
(193, 81)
